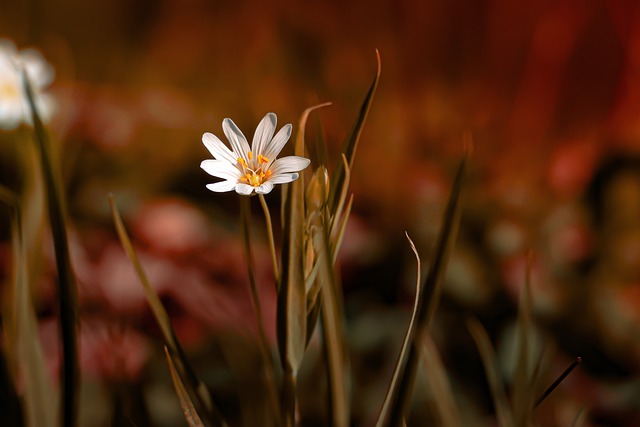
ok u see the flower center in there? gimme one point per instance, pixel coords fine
(8, 90)
(254, 174)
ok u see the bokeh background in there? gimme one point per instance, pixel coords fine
(550, 91)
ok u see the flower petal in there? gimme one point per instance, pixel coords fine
(289, 164)
(264, 133)
(244, 189)
(217, 148)
(221, 169)
(222, 186)
(236, 138)
(283, 178)
(273, 148)
(265, 188)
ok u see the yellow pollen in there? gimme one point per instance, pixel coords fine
(250, 154)
(242, 162)
(262, 159)
(255, 179)
(8, 90)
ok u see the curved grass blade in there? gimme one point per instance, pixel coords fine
(480, 336)
(386, 406)
(203, 399)
(399, 393)
(444, 402)
(70, 377)
(189, 410)
(351, 143)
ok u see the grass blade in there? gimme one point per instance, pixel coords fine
(332, 314)
(203, 399)
(189, 410)
(351, 142)
(38, 390)
(292, 310)
(480, 336)
(558, 380)
(386, 406)
(444, 402)
(399, 392)
(70, 377)
(263, 342)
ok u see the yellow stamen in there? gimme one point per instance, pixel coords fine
(250, 154)
(262, 159)
(255, 179)
(242, 162)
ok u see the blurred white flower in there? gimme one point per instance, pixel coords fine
(252, 169)
(14, 109)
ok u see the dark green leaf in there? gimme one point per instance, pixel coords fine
(351, 143)
(70, 377)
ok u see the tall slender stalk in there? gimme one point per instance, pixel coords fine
(263, 344)
(70, 377)
(272, 243)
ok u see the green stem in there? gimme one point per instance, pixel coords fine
(272, 244)
(289, 397)
(267, 360)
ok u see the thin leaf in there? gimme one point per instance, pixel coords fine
(70, 377)
(558, 380)
(399, 392)
(200, 391)
(339, 234)
(332, 313)
(443, 400)
(38, 390)
(292, 310)
(351, 143)
(336, 212)
(189, 410)
(489, 360)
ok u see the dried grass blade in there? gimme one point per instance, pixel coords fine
(189, 410)
(200, 391)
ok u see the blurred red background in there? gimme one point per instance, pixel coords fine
(550, 91)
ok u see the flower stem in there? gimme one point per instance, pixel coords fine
(272, 244)
(267, 360)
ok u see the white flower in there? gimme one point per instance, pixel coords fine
(248, 169)
(14, 108)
